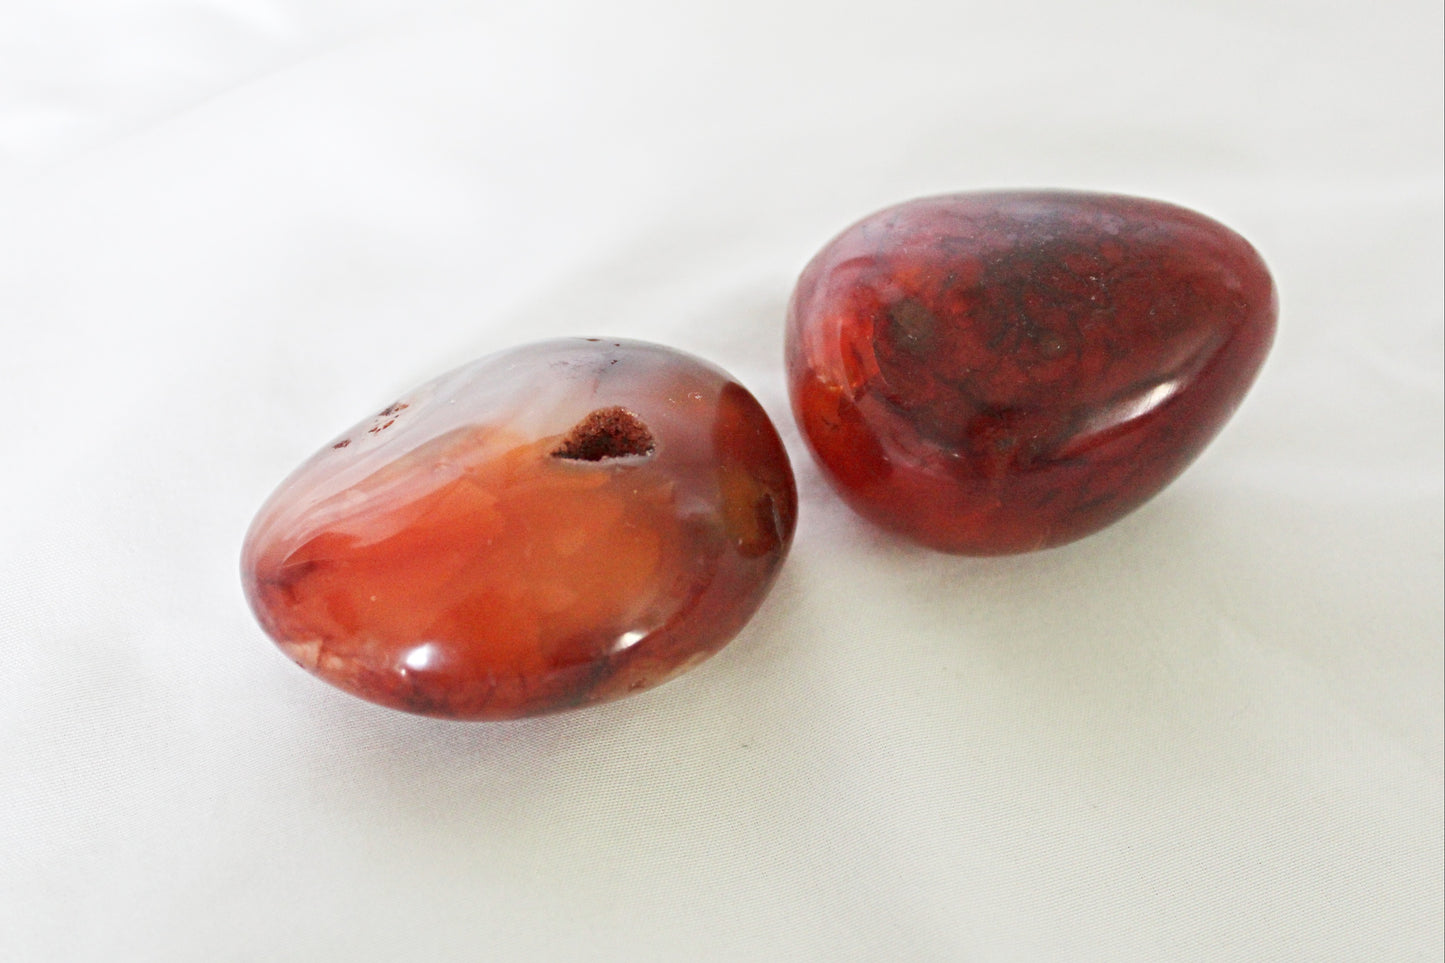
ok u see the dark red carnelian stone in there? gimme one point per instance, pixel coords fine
(552, 526)
(1000, 372)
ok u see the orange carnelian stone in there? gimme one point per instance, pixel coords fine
(1000, 372)
(552, 526)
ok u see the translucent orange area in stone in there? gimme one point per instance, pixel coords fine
(521, 566)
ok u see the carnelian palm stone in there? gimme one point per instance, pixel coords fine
(998, 372)
(552, 526)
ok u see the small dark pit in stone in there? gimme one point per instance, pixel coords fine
(606, 433)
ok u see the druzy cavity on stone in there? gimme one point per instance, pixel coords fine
(998, 372)
(552, 526)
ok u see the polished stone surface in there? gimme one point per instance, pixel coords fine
(552, 526)
(999, 372)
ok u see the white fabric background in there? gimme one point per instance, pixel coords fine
(230, 228)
